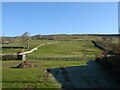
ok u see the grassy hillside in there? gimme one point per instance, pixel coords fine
(32, 44)
(19, 78)
(35, 42)
(66, 49)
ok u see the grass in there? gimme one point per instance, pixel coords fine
(32, 44)
(66, 49)
(10, 50)
(18, 78)
(76, 37)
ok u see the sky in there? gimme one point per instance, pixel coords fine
(59, 18)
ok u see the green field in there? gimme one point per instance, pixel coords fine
(32, 44)
(18, 78)
(35, 77)
(66, 49)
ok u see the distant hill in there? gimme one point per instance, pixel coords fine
(50, 37)
(69, 36)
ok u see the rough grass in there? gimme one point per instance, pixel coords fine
(18, 78)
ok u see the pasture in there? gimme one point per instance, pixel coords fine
(67, 47)
(18, 78)
(32, 44)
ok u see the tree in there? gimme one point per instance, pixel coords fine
(25, 38)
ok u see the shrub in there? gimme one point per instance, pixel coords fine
(110, 63)
(107, 43)
(9, 57)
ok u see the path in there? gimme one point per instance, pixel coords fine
(35, 48)
(87, 76)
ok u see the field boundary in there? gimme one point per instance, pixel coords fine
(61, 58)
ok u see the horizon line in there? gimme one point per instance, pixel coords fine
(69, 34)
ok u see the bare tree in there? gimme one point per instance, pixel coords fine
(25, 38)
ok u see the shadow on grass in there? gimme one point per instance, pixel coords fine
(86, 76)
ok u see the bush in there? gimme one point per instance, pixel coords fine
(107, 43)
(110, 63)
(9, 57)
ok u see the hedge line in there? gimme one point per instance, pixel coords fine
(9, 57)
(60, 58)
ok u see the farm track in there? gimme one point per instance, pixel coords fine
(87, 76)
(35, 48)
(30, 51)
